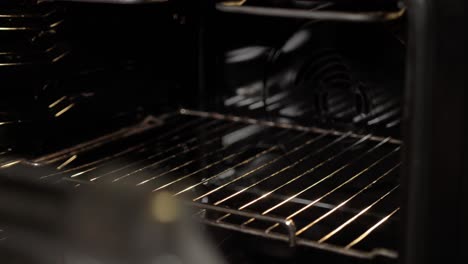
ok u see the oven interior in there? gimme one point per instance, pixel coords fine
(283, 132)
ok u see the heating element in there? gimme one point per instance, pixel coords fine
(303, 185)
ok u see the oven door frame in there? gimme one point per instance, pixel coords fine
(435, 173)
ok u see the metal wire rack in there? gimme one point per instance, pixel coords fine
(31, 28)
(321, 10)
(330, 190)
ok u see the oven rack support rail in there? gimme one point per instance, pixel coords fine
(320, 12)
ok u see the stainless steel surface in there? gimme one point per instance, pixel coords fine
(307, 186)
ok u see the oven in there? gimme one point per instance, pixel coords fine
(250, 131)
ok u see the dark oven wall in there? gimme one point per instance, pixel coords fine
(108, 80)
(69, 67)
(331, 74)
(73, 71)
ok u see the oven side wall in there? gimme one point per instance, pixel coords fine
(435, 175)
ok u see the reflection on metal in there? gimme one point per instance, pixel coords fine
(41, 57)
(329, 235)
(82, 172)
(27, 15)
(369, 231)
(245, 54)
(316, 221)
(121, 134)
(41, 24)
(53, 25)
(296, 41)
(52, 105)
(304, 208)
(9, 122)
(63, 111)
(234, 3)
(68, 161)
(376, 16)
(10, 164)
(60, 56)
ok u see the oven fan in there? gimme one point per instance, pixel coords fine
(327, 80)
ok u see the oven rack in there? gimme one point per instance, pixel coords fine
(30, 20)
(33, 29)
(307, 186)
(316, 10)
